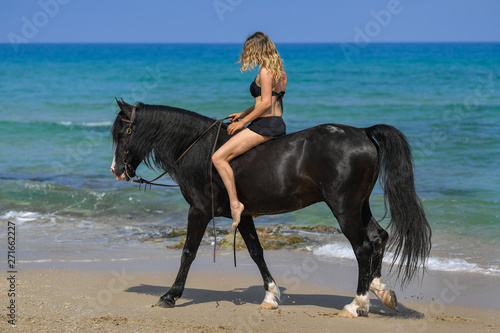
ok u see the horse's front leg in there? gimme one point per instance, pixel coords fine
(197, 223)
(249, 234)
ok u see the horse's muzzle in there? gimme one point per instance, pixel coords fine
(122, 177)
(112, 169)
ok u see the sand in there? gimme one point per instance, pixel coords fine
(119, 296)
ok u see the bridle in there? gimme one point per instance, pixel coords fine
(128, 131)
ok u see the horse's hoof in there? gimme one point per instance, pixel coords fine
(165, 303)
(348, 314)
(269, 306)
(391, 301)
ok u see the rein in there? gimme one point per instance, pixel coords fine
(151, 182)
(220, 121)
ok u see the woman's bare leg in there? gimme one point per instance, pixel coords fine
(237, 145)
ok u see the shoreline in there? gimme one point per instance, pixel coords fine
(84, 238)
(114, 295)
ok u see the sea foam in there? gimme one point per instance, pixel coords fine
(20, 217)
(344, 251)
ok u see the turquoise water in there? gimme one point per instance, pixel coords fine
(57, 107)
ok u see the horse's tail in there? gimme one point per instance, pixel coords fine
(411, 233)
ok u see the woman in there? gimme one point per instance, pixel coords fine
(264, 117)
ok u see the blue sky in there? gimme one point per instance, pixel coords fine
(231, 21)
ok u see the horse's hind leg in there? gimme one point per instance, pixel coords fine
(197, 223)
(378, 237)
(249, 234)
(368, 240)
(351, 223)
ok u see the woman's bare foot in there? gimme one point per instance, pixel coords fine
(236, 211)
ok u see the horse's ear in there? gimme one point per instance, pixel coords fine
(124, 106)
(119, 103)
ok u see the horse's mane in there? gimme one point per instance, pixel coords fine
(162, 133)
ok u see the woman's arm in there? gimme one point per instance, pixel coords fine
(247, 111)
(240, 115)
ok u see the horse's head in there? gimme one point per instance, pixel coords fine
(126, 160)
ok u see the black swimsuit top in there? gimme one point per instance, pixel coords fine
(256, 92)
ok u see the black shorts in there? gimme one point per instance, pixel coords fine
(272, 127)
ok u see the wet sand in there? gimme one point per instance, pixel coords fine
(119, 296)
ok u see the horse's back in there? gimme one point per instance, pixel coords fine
(322, 143)
(297, 170)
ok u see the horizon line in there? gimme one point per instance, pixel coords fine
(237, 43)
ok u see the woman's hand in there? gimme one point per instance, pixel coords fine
(235, 116)
(234, 127)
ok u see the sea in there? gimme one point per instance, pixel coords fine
(58, 104)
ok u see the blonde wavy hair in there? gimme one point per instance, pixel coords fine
(259, 50)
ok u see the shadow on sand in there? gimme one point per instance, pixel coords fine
(255, 295)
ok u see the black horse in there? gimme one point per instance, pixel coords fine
(336, 164)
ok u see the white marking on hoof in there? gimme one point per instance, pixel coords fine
(360, 306)
(384, 294)
(272, 296)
